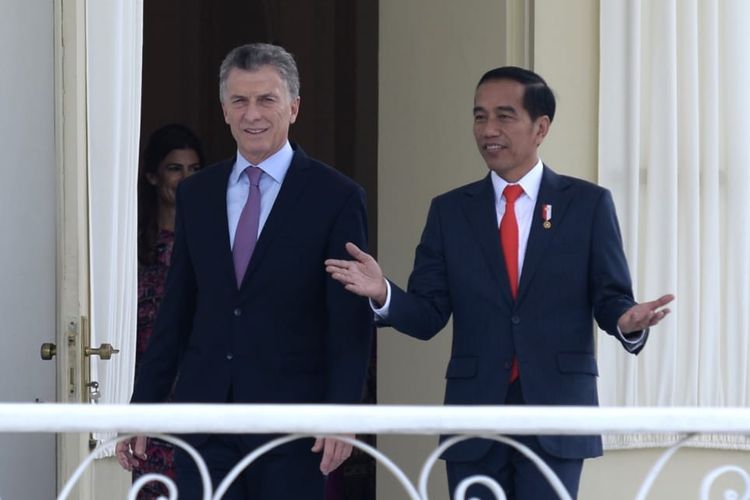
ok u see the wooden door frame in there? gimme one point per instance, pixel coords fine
(73, 296)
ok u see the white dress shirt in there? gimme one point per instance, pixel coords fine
(274, 170)
(524, 208)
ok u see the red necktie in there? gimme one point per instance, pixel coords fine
(509, 242)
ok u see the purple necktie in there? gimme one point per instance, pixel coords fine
(247, 227)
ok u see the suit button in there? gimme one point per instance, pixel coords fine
(238, 312)
(229, 356)
(515, 320)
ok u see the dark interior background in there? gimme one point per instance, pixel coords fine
(335, 43)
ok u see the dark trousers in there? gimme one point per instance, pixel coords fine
(520, 478)
(290, 475)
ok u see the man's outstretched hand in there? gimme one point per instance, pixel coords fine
(362, 275)
(644, 315)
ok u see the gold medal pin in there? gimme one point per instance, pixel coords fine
(547, 216)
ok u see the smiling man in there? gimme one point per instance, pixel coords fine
(522, 259)
(250, 315)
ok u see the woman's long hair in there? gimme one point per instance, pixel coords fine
(161, 142)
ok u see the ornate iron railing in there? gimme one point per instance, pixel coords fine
(315, 420)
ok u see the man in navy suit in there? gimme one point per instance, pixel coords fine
(282, 331)
(522, 311)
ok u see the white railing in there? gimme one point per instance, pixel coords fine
(306, 420)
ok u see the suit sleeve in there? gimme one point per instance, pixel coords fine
(173, 323)
(424, 310)
(612, 290)
(350, 321)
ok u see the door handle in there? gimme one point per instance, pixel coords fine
(105, 351)
(48, 351)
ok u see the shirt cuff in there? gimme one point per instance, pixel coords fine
(382, 313)
(632, 337)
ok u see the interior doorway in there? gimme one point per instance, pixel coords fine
(335, 44)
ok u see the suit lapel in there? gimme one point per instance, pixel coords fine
(479, 208)
(217, 221)
(551, 192)
(284, 209)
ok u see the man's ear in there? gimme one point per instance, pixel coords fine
(224, 112)
(295, 109)
(542, 124)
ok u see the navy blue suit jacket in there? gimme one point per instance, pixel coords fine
(573, 271)
(290, 334)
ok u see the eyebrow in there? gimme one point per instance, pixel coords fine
(504, 109)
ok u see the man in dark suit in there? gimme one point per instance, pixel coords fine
(250, 315)
(522, 271)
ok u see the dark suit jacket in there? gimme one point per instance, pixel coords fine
(290, 334)
(572, 270)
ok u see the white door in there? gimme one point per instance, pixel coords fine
(28, 235)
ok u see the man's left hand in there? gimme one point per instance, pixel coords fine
(335, 452)
(644, 315)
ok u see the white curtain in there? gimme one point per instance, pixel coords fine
(114, 42)
(674, 132)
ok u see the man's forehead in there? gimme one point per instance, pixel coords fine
(495, 93)
(262, 73)
(242, 81)
(504, 103)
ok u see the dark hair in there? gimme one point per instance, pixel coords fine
(538, 99)
(160, 143)
(253, 56)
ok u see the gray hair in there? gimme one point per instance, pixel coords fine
(252, 57)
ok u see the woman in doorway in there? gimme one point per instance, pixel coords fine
(172, 153)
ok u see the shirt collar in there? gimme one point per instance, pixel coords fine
(529, 182)
(276, 165)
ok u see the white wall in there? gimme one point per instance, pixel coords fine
(27, 237)
(566, 54)
(432, 52)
